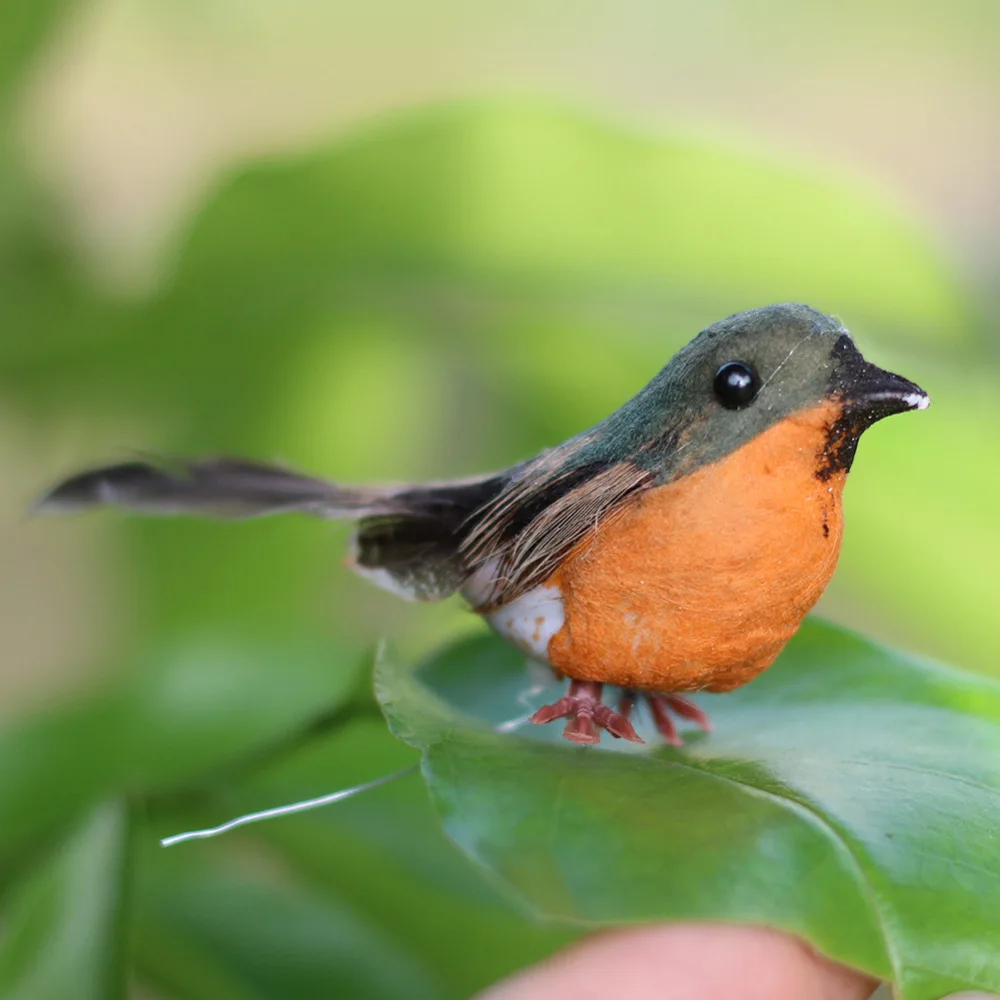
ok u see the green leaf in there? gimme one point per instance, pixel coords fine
(230, 697)
(183, 968)
(384, 854)
(850, 795)
(538, 195)
(270, 940)
(66, 928)
(199, 705)
(591, 224)
(26, 26)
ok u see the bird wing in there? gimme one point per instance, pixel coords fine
(422, 541)
(521, 536)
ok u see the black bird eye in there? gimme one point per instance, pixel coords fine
(736, 385)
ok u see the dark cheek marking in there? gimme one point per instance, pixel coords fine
(840, 446)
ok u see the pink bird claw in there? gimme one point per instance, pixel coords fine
(587, 715)
(662, 704)
(582, 729)
(687, 709)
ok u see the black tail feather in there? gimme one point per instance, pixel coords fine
(408, 540)
(417, 554)
(220, 487)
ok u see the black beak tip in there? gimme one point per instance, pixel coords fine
(881, 393)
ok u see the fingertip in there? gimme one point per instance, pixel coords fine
(972, 996)
(686, 962)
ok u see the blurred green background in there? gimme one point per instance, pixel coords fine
(406, 241)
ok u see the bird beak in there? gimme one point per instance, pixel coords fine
(869, 393)
(872, 393)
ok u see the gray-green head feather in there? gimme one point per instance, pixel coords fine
(798, 358)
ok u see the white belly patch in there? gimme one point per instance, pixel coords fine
(529, 621)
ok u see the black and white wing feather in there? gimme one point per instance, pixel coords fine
(517, 540)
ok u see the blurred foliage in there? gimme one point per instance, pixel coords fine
(67, 929)
(798, 812)
(439, 293)
(26, 26)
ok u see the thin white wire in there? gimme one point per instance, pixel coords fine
(325, 800)
(295, 807)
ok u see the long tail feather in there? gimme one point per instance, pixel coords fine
(408, 539)
(220, 487)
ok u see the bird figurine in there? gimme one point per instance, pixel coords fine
(674, 547)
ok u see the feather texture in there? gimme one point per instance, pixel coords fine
(531, 525)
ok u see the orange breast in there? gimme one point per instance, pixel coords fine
(701, 583)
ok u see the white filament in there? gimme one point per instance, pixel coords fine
(295, 807)
(326, 800)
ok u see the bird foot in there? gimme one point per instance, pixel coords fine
(662, 704)
(587, 715)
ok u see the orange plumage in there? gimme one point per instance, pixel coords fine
(701, 582)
